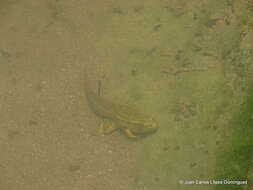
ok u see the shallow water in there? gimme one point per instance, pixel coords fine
(188, 64)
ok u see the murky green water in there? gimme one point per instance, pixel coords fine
(189, 64)
(192, 64)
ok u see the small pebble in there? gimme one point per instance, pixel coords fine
(74, 168)
(177, 148)
(157, 179)
(193, 164)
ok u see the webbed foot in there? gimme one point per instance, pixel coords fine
(129, 133)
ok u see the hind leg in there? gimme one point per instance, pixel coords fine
(129, 134)
(106, 127)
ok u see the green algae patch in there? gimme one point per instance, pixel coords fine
(233, 163)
